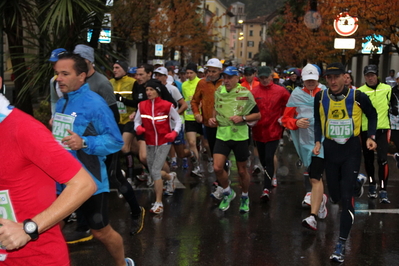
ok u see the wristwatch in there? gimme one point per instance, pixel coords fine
(243, 118)
(84, 144)
(31, 229)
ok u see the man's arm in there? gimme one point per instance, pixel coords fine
(77, 191)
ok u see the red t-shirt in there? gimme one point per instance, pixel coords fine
(30, 162)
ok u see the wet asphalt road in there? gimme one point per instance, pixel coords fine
(193, 231)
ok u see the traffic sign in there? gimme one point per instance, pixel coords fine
(158, 50)
(369, 48)
(345, 25)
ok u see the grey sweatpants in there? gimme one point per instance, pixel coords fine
(156, 157)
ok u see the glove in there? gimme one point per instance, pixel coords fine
(170, 137)
(140, 130)
(119, 98)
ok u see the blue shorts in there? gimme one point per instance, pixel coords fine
(179, 140)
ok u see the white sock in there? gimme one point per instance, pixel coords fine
(227, 190)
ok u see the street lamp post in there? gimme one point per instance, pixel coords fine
(239, 40)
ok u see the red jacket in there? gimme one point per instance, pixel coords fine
(271, 101)
(155, 119)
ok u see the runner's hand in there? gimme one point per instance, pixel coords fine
(12, 235)
(74, 141)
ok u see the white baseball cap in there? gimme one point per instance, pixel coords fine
(201, 70)
(214, 62)
(310, 72)
(161, 70)
(397, 75)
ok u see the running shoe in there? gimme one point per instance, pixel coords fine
(225, 204)
(143, 177)
(244, 204)
(137, 223)
(78, 236)
(396, 156)
(129, 262)
(170, 185)
(274, 181)
(218, 193)
(193, 158)
(150, 182)
(323, 208)
(339, 253)
(372, 191)
(257, 169)
(265, 195)
(72, 217)
(361, 179)
(310, 223)
(197, 171)
(174, 165)
(384, 197)
(306, 200)
(157, 208)
(210, 166)
(185, 163)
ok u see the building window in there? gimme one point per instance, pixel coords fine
(241, 45)
(251, 25)
(250, 55)
(240, 10)
(250, 44)
(260, 33)
(240, 53)
(251, 33)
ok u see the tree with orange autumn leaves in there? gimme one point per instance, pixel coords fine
(296, 45)
(177, 24)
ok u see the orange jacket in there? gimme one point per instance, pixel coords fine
(254, 84)
(204, 99)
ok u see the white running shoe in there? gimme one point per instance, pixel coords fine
(310, 223)
(323, 208)
(306, 200)
(170, 184)
(157, 208)
(274, 181)
(197, 171)
(218, 193)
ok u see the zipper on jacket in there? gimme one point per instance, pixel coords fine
(66, 102)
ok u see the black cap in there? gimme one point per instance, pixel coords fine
(335, 69)
(249, 70)
(192, 66)
(123, 64)
(370, 69)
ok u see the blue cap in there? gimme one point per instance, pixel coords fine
(55, 53)
(231, 71)
(132, 70)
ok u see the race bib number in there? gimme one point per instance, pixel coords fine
(121, 107)
(61, 123)
(6, 209)
(340, 130)
(189, 111)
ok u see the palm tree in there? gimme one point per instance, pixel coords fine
(34, 28)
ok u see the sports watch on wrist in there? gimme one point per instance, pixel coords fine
(84, 144)
(244, 118)
(31, 229)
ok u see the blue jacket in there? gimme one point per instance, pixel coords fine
(95, 123)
